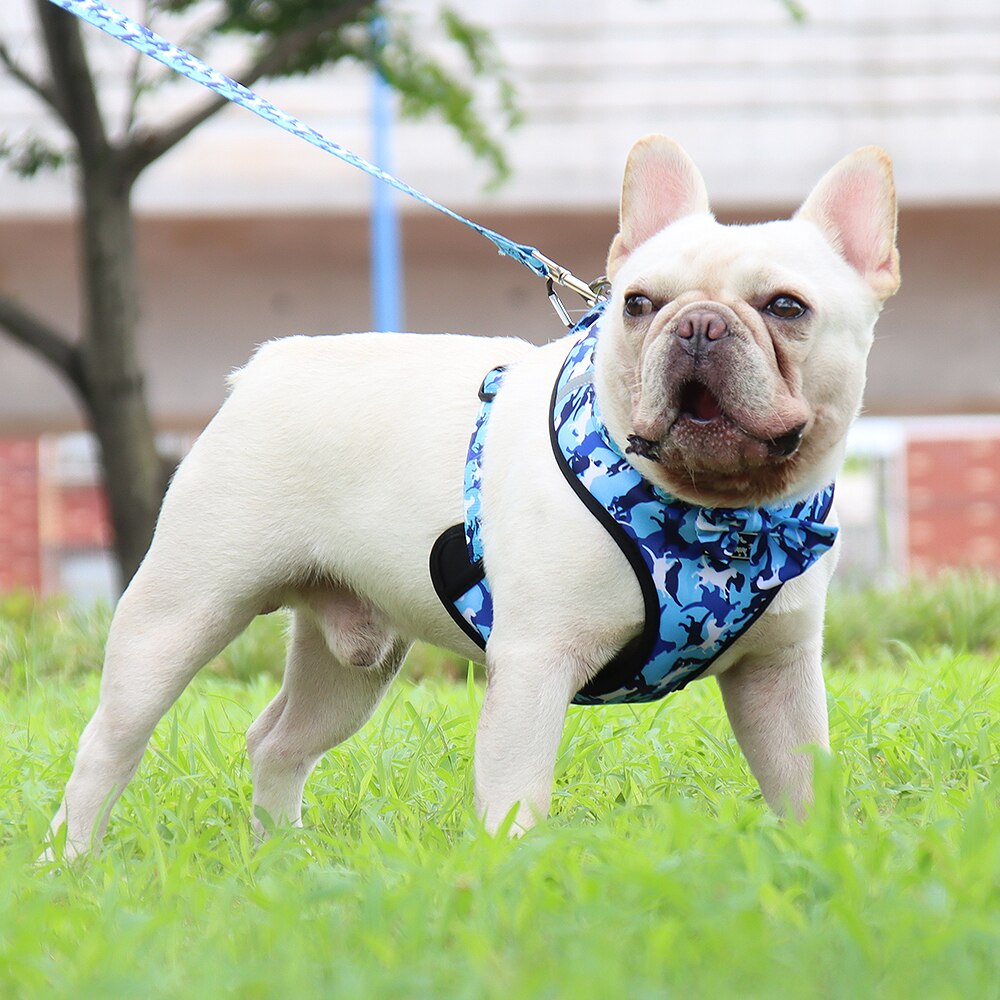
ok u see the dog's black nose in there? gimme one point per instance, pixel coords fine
(787, 444)
(700, 328)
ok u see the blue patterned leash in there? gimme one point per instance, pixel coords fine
(141, 38)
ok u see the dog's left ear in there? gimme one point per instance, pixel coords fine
(854, 205)
(661, 185)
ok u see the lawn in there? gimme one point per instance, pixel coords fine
(660, 874)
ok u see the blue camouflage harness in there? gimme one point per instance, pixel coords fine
(706, 574)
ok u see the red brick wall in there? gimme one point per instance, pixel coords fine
(41, 518)
(953, 490)
(79, 518)
(20, 552)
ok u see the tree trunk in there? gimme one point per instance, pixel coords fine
(115, 396)
(105, 369)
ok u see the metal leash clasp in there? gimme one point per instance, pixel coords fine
(559, 275)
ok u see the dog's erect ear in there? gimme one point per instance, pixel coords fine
(661, 185)
(855, 207)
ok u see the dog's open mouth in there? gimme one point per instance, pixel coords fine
(702, 407)
(699, 403)
(707, 444)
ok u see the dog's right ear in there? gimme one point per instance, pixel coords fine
(661, 185)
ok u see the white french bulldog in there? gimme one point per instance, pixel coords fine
(730, 363)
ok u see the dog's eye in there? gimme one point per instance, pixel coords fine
(638, 305)
(786, 307)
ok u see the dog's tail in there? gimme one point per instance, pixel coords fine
(233, 378)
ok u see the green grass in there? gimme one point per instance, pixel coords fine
(866, 627)
(660, 874)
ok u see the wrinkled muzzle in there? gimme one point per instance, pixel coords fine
(714, 407)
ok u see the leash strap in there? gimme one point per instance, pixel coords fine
(141, 38)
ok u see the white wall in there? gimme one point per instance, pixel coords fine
(763, 104)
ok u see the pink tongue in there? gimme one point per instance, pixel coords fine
(700, 402)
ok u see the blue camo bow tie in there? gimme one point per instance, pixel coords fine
(728, 533)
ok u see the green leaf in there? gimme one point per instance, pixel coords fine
(32, 155)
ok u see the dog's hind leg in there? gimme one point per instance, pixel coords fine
(340, 662)
(164, 630)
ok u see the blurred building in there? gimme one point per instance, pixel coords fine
(246, 233)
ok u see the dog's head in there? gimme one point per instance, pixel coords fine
(731, 359)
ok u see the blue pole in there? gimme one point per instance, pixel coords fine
(386, 263)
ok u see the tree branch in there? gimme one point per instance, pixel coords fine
(44, 340)
(149, 146)
(39, 89)
(72, 82)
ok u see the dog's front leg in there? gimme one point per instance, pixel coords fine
(520, 726)
(777, 710)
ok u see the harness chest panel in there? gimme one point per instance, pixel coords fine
(706, 574)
